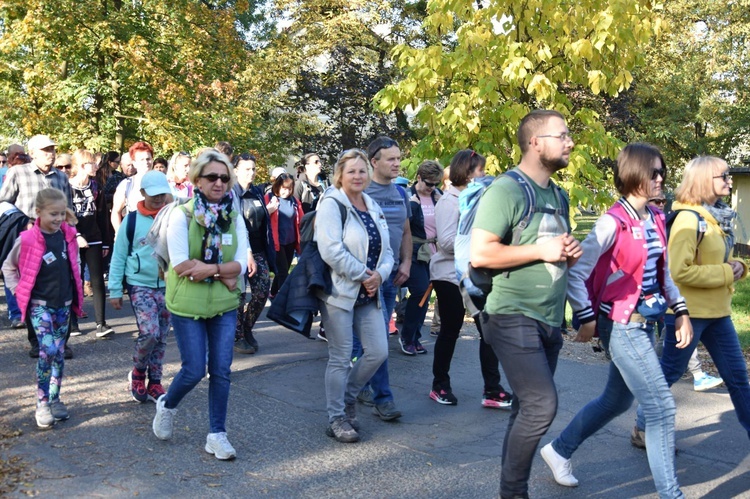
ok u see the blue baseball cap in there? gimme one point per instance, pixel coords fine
(155, 183)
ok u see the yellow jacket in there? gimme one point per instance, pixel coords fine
(704, 279)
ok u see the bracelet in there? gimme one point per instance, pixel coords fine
(218, 272)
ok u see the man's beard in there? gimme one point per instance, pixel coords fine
(554, 164)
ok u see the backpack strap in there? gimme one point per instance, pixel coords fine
(530, 207)
(130, 229)
(700, 231)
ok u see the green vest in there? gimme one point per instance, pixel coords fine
(201, 300)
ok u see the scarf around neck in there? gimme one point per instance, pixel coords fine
(216, 219)
(724, 215)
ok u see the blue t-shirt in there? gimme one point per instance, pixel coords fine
(287, 234)
(396, 208)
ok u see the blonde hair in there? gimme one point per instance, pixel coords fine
(173, 162)
(344, 157)
(210, 155)
(49, 196)
(697, 184)
(79, 158)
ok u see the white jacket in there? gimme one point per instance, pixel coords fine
(344, 249)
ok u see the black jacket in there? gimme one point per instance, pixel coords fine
(296, 302)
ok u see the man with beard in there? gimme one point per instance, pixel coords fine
(525, 307)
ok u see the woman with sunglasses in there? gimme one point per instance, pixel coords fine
(701, 263)
(208, 250)
(286, 214)
(626, 256)
(424, 196)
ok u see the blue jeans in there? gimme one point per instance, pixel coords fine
(193, 336)
(343, 382)
(633, 373)
(419, 280)
(380, 383)
(720, 339)
(14, 313)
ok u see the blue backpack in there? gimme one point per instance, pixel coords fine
(476, 283)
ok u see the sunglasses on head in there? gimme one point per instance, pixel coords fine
(213, 177)
(385, 144)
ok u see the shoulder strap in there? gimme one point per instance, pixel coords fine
(130, 229)
(700, 231)
(529, 204)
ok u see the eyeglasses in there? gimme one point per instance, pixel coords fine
(213, 177)
(565, 136)
(726, 176)
(657, 172)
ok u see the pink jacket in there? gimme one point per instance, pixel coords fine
(30, 261)
(618, 274)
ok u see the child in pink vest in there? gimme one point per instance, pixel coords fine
(43, 272)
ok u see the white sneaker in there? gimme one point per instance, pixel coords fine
(561, 467)
(218, 445)
(164, 420)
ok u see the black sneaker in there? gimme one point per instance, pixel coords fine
(18, 324)
(104, 331)
(242, 346)
(34, 352)
(443, 396)
(386, 411)
(75, 330)
(68, 354)
(251, 340)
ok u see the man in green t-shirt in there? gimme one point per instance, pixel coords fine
(524, 310)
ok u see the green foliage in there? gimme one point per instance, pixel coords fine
(692, 94)
(485, 68)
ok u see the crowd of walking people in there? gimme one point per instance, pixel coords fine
(194, 242)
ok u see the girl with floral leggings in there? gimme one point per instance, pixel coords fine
(132, 259)
(43, 272)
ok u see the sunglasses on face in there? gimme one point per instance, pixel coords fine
(726, 177)
(657, 172)
(213, 177)
(430, 184)
(63, 167)
(659, 202)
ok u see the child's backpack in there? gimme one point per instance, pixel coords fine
(476, 283)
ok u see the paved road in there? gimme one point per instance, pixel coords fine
(277, 419)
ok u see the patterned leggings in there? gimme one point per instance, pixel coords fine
(153, 318)
(51, 327)
(249, 311)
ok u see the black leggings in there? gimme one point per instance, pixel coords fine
(92, 256)
(451, 320)
(284, 258)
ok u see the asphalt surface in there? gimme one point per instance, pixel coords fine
(277, 423)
